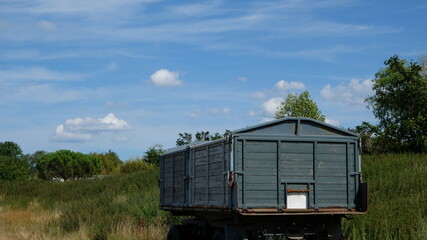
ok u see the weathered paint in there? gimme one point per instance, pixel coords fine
(265, 162)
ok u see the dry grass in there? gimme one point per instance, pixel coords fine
(35, 223)
(128, 231)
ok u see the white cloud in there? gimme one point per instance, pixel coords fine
(61, 135)
(270, 106)
(284, 86)
(258, 95)
(165, 78)
(108, 123)
(46, 25)
(83, 129)
(332, 122)
(354, 92)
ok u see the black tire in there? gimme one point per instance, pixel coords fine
(219, 235)
(175, 233)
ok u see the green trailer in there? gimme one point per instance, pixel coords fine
(292, 177)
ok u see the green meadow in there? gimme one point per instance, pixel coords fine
(125, 206)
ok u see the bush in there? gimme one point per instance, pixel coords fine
(136, 165)
(67, 165)
(12, 168)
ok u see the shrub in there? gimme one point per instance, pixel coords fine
(67, 165)
(136, 165)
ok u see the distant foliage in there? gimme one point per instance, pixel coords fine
(136, 165)
(299, 106)
(67, 165)
(400, 104)
(110, 162)
(184, 139)
(12, 168)
(368, 134)
(10, 149)
(152, 155)
(13, 165)
(187, 138)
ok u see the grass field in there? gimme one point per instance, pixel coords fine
(125, 206)
(117, 207)
(398, 199)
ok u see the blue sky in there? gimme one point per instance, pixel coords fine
(127, 74)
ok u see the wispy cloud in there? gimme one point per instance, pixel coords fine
(201, 24)
(83, 129)
(282, 85)
(354, 92)
(37, 74)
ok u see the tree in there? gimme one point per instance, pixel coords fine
(33, 159)
(110, 162)
(67, 165)
(10, 149)
(187, 138)
(13, 166)
(203, 136)
(368, 134)
(399, 102)
(299, 106)
(184, 139)
(152, 155)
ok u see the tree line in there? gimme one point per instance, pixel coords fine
(64, 165)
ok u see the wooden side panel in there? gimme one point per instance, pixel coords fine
(332, 175)
(167, 180)
(268, 170)
(178, 176)
(210, 167)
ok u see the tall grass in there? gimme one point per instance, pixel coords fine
(398, 199)
(93, 209)
(125, 206)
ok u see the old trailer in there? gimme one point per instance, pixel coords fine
(292, 177)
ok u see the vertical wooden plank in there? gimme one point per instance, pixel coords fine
(315, 173)
(193, 166)
(348, 173)
(207, 174)
(278, 173)
(173, 179)
(223, 174)
(243, 176)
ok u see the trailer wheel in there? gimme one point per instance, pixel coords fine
(178, 232)
(219, 235)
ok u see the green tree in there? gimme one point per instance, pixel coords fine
(67, 165)
(187, 138)
(12, 168)
(13, 165)
(184, 138)
(33, 159)
(368, 134)
(10, 149)
(110, 162)
(152, 155)
(299, 106)
(202, 136)
(400, 104)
